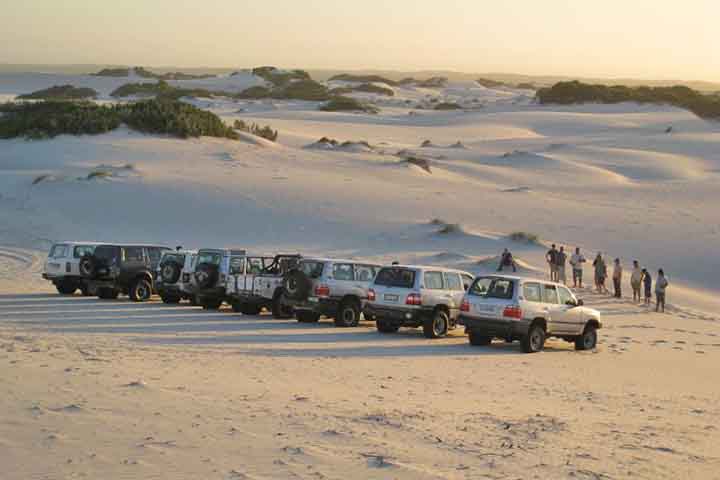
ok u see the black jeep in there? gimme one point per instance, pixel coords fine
(127, 269)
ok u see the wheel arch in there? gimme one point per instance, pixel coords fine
(539, 321)
(593, 322)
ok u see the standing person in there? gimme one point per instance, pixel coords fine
(617, 278)
(660, 285)
(561, 261)
(600, 273)
(551, 257)
(576, 261)
(647, 282)
(636, 281)
(506, 260)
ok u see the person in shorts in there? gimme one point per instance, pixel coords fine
(600, 273)
(551, 257)
(561, 258)
(647, 283)
(576, 261)
(617, 278)
(636, 281)
(661, 284)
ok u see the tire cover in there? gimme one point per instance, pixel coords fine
(87, 266)
(297, 285)
(206, 274)
(170, 272)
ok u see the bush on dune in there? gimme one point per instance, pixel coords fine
(347, 104)
(265, 132)
(524, 237)
(372, 88)
(574, 92)
(165, 91)
(278, 77)
(145, 73)
(60, 92)
(112, 72)
(348, 77)
(302, 90)
(448, 106)
(488, 83)
(51, 118)
(255, 93)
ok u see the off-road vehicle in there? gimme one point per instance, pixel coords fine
(529, 310)
(215, 268)
(417, 296)
(329, 287)
(62, 266)
(172, 277)
(258, 283)
(113, 269)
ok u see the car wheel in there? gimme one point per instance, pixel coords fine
(170, 299)
(279, 309)
(383, 326)
(478, 340)
(307, 317)
(107, 293)
(140, 291)
(588, 340)
(66, 288)
(437, 326)
(348, 314)
(534, 340)
(211, 304)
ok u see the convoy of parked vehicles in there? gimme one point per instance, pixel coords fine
(509, 308)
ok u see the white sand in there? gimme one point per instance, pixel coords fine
(117, 390)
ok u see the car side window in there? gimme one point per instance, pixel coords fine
(237, 265)
(467, 281)
(82, 250)
(566, 298)
(452, 281)
(154, 254)
(550, 294)
(532, 292)
(433, 280)
(343, 271)
(364, 273)
(255, 265)
(133, 254)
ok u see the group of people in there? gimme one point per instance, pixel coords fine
(639, 278)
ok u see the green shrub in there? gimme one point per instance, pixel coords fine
(348, 77)
(265, 132)
(174, 118)
(488, 83)
(113, 72)
(302, 90)
(574, 92)
(280, 78)
(164, 91)
(524, 237)
(60, 92)
(526, 86)
(255, 92)
(448, 106)
(371, 88)
(347, 104)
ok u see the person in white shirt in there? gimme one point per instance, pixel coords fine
(636, 281)
(576, 261)
(617, 278)
(661, 284)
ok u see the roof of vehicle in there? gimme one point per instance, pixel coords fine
(154, 245)
(232, 250)
(519, 278)
(75, 242)
(340, 260)
(181, 252)
(429, 267)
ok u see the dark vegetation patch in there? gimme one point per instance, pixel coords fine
(574, 92)
(524, 237)
(432, 82)
(265, 132)
(145, 73)
(47, 119)
(280, 78)
(488, 83)
(419, 162)
(255, 92)
(302, 90)
(348, 77)
(347, 104)
(60, 92)
(371, 88)
(448, 106)
(164, 91)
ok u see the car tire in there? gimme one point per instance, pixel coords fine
(307, 317)
(194, 301)
(534, 340)
(478, 340)
(280, 310)
(87, 290)
(348, 314)
(383, 326)
(211, 304)
(170, 299)
(107, 293)
(436, 326)
(66, 288)
(170, 272)
(140, 290)
(588, 340)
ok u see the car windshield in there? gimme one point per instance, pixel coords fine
(395, 277)
(311, 269)
(213, 258)
(58, 251)
(490, 287)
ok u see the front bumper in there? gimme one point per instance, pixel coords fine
(400, 316)
(495, 327)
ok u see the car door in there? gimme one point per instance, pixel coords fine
(570, 314)
(551, 306)
(454, 287)
(342, 280)
(236, 276)
(434, 292)
(133, 260)
(364, 275)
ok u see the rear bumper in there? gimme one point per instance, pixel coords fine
(165, 288)
(402, 316)
(494, 327)
(323, 306)
(215, 292)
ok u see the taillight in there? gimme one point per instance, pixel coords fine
(465, 306)
(322, 291)
(371, 295)
(512, 311)
(413, 299)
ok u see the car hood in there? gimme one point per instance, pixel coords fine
(590, 312)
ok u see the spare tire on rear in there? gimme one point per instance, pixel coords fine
(170, 272)
(297, 285)
(88, 266)
(206, 274)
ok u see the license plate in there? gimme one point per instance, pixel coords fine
(484, 308)
(313, 299)
(391, 298)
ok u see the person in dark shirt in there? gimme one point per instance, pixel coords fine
(506, 261)
(551, 257)
(647, 282)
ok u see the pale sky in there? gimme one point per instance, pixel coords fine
(652, 39)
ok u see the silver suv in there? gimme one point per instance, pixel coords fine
(417, 296)
(256, 282)
(212, 273)
(62, 266)
(334, 288)
(529, 310)
(172, 277)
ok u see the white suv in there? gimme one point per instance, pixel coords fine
(172, 277)
(62, 266)
(529, 310)
(417, 296)
(334, 288)
(212, 273)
